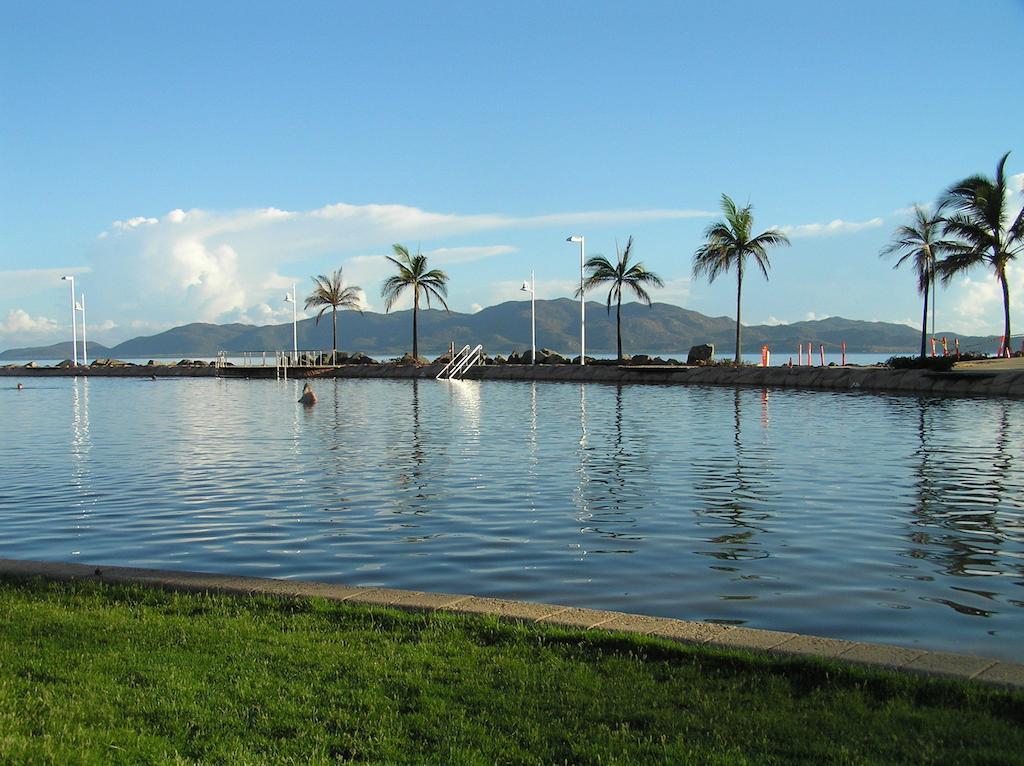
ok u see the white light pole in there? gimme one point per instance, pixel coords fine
(531, 288)
(74, 320)
(85, 351)
(291, 298)
(583, 304)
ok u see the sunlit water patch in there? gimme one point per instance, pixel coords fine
(871, 517)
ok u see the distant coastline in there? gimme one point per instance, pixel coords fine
(662, 329)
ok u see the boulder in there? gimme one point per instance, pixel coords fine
(64, 365)
(109, 363)
(33, 365)
(576, 360)
(443, 359)
(514, 358)
(407, 359)
(641, 359)
(551, 358)
(360, 358)
(701, 354)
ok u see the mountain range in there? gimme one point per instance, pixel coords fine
(659, 329)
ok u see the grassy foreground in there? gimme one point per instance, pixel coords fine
(96, 674)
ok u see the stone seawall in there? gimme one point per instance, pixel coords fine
(1003, 383)
(1009, 383)
(132, 371)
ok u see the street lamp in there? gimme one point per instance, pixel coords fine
(583, 311)
(291, 298)
(74, 320)
(85, 352)
(531, 288)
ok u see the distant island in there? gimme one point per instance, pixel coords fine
(661, 329)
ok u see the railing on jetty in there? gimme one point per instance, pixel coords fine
(279, 361)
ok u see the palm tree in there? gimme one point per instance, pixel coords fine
(329, 294)
(619, 275)
(412, 272)
(919, 244)
(980, 225)
(728, 243)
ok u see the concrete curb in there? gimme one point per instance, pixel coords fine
(991, 672)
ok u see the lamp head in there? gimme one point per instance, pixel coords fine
(574, 238)
(66, 277)
(526, 287)
(288, 298)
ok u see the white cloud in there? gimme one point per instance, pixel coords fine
(475, 308)
(199, 265)
(979, 308)
(133, 223)
(838, 226)
(18, 321)
(772, 321)
(810, 316)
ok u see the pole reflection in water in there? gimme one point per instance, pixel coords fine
(81, 446)
(581, 496)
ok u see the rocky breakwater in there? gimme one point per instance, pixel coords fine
(655, 370)
(114, 368)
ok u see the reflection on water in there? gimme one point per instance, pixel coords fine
(871, 517)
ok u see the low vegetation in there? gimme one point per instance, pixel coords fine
(95, 674)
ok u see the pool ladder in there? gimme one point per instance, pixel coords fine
(461, 362)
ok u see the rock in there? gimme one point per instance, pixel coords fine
(657, 360)
(185, 363)
(443, 359)
(33, 365)
(407, 359)
(700, 354)
(576, 360)
(109, 363)
(641, 359)
(551, 358)
(499, 359)
(514, 358)
(360, 358)
(64, 365)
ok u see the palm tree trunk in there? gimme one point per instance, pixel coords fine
(924, 324)
(739, 290)
(1006, 307)
(618, 326)
(415, 310)
(334, 332)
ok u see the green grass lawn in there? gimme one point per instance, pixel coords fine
(95, 674)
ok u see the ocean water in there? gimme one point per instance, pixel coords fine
(875, 517)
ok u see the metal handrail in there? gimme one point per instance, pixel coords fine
(454, 360)
(473, 357)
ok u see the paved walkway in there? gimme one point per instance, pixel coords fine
(964, 667)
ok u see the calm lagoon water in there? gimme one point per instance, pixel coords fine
(871, 517)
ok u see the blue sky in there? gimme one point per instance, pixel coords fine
(189, 162)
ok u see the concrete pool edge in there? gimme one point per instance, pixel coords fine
(988, 671)
(998, 383)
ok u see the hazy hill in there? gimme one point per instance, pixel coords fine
(660, 329)
(61, 350)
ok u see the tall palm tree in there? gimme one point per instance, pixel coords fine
(728, 243)
(918, 243)
(620, 275)
(330, 294)
(984, 233)
(413, 273)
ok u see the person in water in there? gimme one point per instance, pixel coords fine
(308, 397)
(21, 386)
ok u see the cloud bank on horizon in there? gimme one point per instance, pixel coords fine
(146, 274)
